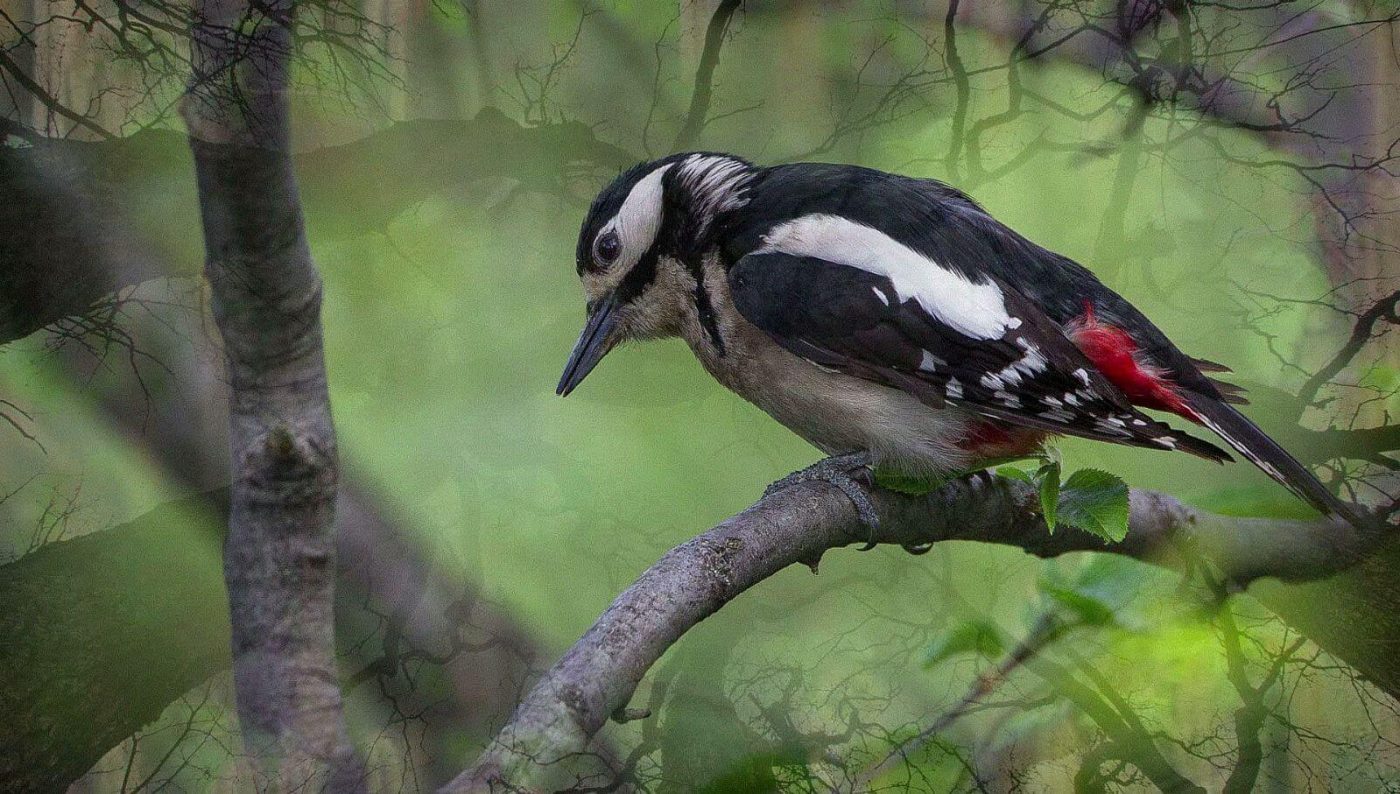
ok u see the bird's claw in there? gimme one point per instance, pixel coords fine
(836, 470)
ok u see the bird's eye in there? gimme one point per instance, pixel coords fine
(608, 247)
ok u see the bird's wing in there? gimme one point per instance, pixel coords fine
(954, 235)
(946, 226)
(897, 318)
(1159, 375)
(1057, 285)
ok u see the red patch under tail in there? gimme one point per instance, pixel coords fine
(992, 439)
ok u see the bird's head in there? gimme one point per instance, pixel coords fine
(639, 248)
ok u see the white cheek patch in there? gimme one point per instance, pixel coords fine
(976, 310)
(639, 218)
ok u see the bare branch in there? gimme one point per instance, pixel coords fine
(1045, 631)
(1388, 309)
(597, 676)
(699, 110)
(48, 100)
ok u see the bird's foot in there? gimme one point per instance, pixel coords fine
(837, 471)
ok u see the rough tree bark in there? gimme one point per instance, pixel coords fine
(279, 560)
(597, 676)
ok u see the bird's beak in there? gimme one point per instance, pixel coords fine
(592, 345)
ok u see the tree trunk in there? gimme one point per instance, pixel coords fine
(279, 559)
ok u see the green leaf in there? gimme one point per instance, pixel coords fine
(1093, 587)
(1090, 610)
(903, 483)
(1095, 501)
(992, 463)
(973, 636)
(1049, 475)
(1013, 473)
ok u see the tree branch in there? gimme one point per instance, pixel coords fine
(1045, 631)
(73, 238)
(598, 675)
(102, 633)
(705, 75)
(1387, 309)
(17, 73)
(106, 630)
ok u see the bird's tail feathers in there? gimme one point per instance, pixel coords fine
(1261, 450)
(1199, 447)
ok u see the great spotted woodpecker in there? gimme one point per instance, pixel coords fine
(891, 320)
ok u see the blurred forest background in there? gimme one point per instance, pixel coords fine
(1231, 167)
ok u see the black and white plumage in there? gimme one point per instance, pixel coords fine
(882, 314)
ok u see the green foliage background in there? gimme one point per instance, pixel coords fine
(447, 328)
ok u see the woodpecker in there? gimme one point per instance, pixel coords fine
(891, 321)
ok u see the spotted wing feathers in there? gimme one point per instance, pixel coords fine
(854, 321)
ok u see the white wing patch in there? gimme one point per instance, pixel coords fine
(975, 310)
